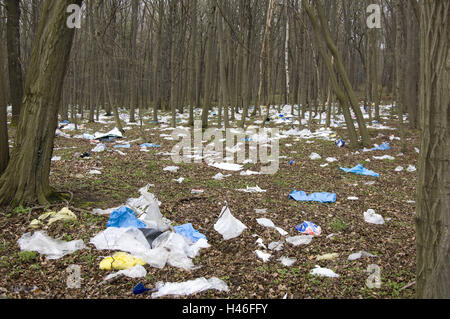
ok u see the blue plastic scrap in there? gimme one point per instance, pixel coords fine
(340, 143)
(188, 231)
(301, 196)
(124, 217)
(123, 146)
(148, 145)
(360, 170)
(139, 289)
(382, 147)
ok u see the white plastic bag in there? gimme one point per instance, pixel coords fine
(300, 240)
(189, 287)
(323, 272)
(372, 218)
(43, 244)
(228, 226)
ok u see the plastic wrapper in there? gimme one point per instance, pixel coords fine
(228, 226)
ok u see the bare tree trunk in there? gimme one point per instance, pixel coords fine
(4, 146)
(433, 191)
(26, 179)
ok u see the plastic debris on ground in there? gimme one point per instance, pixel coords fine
(220, 176)
(382, 147)
(276, 245)
(114, 133)
(172, 169)
(249, 173)
(309, 228)
(340, 143)
(331, 159)
(315, 156)
(301, 196)
(262, 255)
(197, 191)
(323, 272)
(360, 254)
(135, 272)
(43, 244)
(360, 170)
(188, 231)
(228, 226)
(95, 172)
(261, 210)
(399, 169)
(64, 214)
(56, 158)
(189, 287)
(352, 198)
(227, 166)
(268, 223)
(120, 261)
(179, 181)
(373, 218)
(260, 243)
(327, 256)
(299, 240)
(411, 168)
(99, 148)
(384, 157)
(124, 217)
(140, 289)
(286, 261)
(148, 145)
(122, 146)
(256, 189)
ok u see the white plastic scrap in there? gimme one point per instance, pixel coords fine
(288, 262)
(411, 168)
(227, 166)
(315, 156)
(323, 272)
(373, 218)
(99, 148)
(331, 159)
(262, 255)
(260, 243)
(352, 198)
(95, 172)
(256, 189)
(136, 272)
(56, 158)
(45, 245)
(384, 157)
(180, 180)
(276, 245)
(268, 223)
(399, 169)
(189, 287)
(228, 226)
(220, 176)
(172, 169)
(300, 240)
(360, 254)
(249, 173)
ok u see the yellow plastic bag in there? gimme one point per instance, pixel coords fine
(120, 261)
(64, 214)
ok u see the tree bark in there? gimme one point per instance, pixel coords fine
(433, 191)
(26, 179)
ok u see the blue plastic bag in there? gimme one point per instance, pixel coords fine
(340, 143)
(301, 196)
(360, 170)
(124, 217)
(382, 147)
(123, 146)
(189, 232)
(148, 145)
(139, 289)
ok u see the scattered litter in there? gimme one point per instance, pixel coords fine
(268, 223)
(385, 157)
(399, 169)
(331, 159)
(180, 180)
(64, 214)
(189, 287)
(197, 191)
(135, 272)
(256, 189)
(260, 243)
(110, 136)
(56, 158)
(340, 143)
(249, 173)
(124, 217)
(140, 289)
(382, 147)
(261, 210)
(411, 168)
(327, 256)
(120, 261)
(315, 156)
(220, 176)
(227, 166)
(417, 150)
(360, 254)
(309, 228)
(299, 240)
(122, 146)
(352, 198)
(291, 162)
(120, 152)
(99, 148)
(262, 255)
(95, 172)
(360, 170)
(45, 245)
(288, 262)
(85, 155)
(227, 225)
(276, 245)
(172, 169)
(371, 217)
(323, 272)
(148, 145)
(188, 231)
(315, 197)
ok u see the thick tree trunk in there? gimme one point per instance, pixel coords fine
(14, 59)
(26, 179)
(433, 191)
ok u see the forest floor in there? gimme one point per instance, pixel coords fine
(31, 275)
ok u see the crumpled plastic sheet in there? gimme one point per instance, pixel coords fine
(170, 247)
(256, 189)
(301, 196)
(99, 148)
(113, 133)
(360, 254)
(137, 271)
(124, 217)
(323, 272)
(228, 226)
(288, 262)
(299, 240)
(265, 222)
(227, 166)
(373, 218)
(189, 287)
(45, 245)
(188, 231)
(360, 170)
(262, 255)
